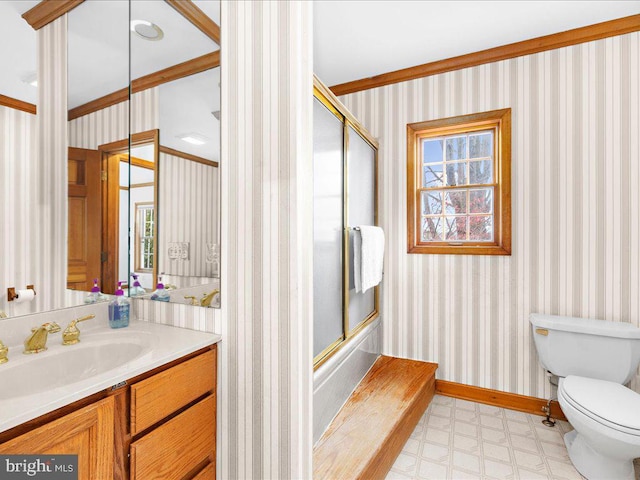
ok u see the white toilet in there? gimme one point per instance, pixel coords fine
(592, 359)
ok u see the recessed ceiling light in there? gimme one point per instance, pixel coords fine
(194, 138)
(147, 30)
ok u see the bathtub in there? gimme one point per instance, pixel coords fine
(335, 380)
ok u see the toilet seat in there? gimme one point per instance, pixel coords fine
(610, 404)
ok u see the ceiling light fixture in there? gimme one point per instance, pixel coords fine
(194, 138)
(31, 79)
(147, 30)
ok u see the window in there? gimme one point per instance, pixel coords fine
(144, 249)
(459, 185)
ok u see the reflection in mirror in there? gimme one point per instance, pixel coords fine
(100, 122)
(98, 146)
(186, 211)
(18, 156)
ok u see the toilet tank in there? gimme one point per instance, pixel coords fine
(586, 347)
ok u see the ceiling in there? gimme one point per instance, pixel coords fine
(98, 61)
(355, 39)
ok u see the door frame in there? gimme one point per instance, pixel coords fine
(112, 154)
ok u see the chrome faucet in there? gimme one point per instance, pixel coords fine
(206, 299)
(37, 341)
(71, 334)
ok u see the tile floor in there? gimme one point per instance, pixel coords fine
(456, 439)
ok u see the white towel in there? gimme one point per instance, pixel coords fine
(368, 255)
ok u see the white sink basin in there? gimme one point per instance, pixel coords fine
(57, 367)
(32, 385)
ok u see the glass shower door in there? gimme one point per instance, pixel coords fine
(327, 228)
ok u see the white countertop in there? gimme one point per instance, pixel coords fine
(67, 379)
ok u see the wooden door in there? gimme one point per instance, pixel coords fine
(88, 433)
(111, 220)
(84, 213)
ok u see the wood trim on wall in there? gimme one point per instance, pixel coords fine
(181, 70)
(512, 401)
(187, 156)
(191, 12)
(175, 72)
(99, 104)
(17, 104)
(589, 33)
(47, 11)
(141, 138)
(140, 162)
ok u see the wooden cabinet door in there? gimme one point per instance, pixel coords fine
(177, 447)
(87, 432)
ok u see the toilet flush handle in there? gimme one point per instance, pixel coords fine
(542, 331)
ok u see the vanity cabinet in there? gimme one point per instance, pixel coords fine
(186, 443)
(161, 425)
(87, 432)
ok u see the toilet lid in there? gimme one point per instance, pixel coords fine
(609, 403)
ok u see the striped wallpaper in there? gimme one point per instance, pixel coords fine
(177, 315)
(265, 429)
(112, 123)
(575, 204)
(188, 212)
(18, 167)
(47, 267)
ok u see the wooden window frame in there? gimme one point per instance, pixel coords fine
(139, 206)
(500, 122)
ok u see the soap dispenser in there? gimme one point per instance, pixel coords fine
(137, 289)
(119, 309)
(95, 295)
(160, 294)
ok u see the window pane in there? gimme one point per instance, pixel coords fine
(456, 148)
(481, 145)
(432, 229)
(456, 173)
(431, 203)
(456, 228)
(432, 175)
(432, 151)
(456, 202)
(481, 172)
(481, 201)
(480, 228)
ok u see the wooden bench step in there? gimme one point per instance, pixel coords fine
(367, 435)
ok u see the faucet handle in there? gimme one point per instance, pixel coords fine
(71, 334)
(194, 300)
(51, 327)
(4, 353)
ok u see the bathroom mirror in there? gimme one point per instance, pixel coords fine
(186, 245)
(100, 49)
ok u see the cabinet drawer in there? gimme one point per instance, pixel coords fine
(161, 395)
(172, 450)
(207, 473)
